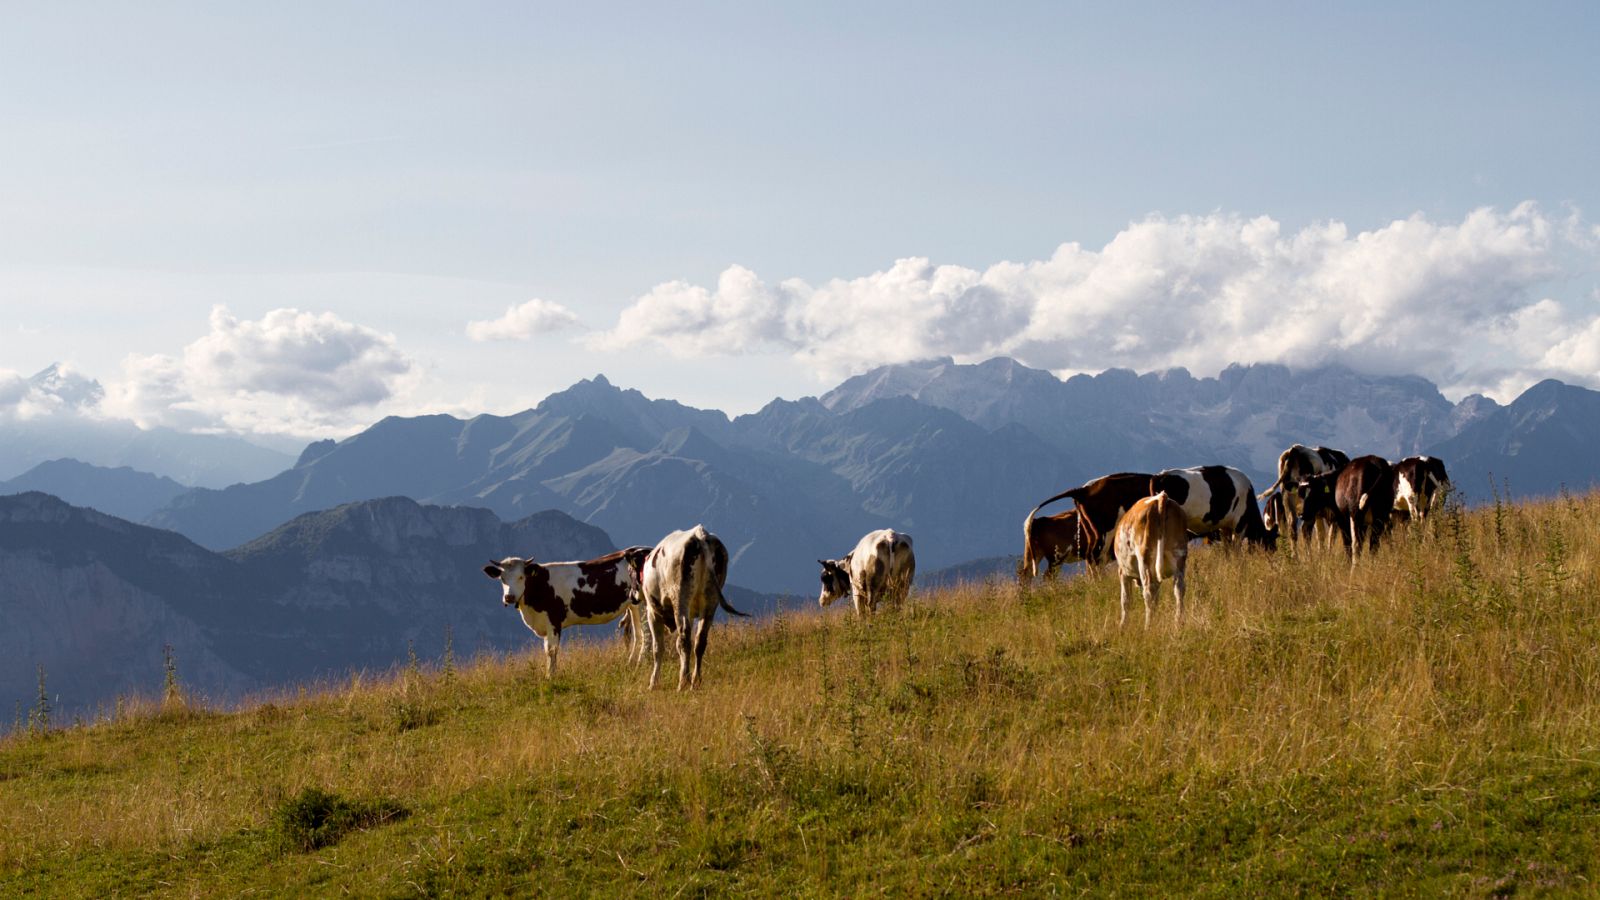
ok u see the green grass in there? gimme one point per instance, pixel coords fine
(1427, 723)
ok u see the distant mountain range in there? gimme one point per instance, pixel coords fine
(123, 492)
(956, 454)
(337, 559)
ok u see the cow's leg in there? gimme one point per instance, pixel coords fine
(1177, 591)
(1123, 618)
(701, 634)
(657, 644)
(859, 604)
(685, 643)
(552, 646)
(1148, 585)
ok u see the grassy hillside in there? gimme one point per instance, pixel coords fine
(1428, 723)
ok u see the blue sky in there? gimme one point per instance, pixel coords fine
(711, 201)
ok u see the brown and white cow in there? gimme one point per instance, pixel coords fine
(1053, 541)
(557, 595)
(680, 582)
(1152, 546)
(878, 570)
(1217, 501)
(1420, 483)
(1365, 497)
(1297, 464)
(1101, 503)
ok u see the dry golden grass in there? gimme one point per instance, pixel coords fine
(996, 736)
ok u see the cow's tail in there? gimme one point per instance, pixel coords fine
(1159, 519)
(1029, 564)
(723, 602)
(1362, 503)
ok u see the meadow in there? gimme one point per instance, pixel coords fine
(1427, 722)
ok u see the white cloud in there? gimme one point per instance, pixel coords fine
(291, 372)
(58, 390)
(524, 322)
(1455, 302)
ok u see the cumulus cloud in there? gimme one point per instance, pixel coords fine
(1456, 302)
(520, 323)
(292, 371)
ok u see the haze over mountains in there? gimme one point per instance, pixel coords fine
(336, 560)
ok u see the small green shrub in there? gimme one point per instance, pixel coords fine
(316, 818)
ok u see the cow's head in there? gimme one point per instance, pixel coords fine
(634, 558)
(1317, 497)
(835, 580)
(512, 573)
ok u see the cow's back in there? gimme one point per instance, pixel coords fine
(1152, 538)
(1365, 488)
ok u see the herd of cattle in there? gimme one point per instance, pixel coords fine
(1144, 520)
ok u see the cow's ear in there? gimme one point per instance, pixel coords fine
(529, 566)
(494, 571)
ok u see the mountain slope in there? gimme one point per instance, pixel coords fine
(94, 598)
(122, 492)
(1539, 443)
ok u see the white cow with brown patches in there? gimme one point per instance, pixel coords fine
(681, 583)
(879, 570)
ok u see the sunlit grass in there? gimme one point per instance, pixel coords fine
(1425, 721)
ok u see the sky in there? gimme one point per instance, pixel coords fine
(297, 218)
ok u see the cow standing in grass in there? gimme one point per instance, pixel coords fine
(1053, 541)
(1152, 546)
(681, 583)
(1296, 465)
(1101, 503)
(1419, 484)
(557, 595)
(1217, 501)
(879, 570)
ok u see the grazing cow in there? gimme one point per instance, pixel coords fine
(1054, 541)
(1273, 511)
(681, 584)
(1297, 464)
(553, 596)
(1318, 504)
(1217, 501)
(1152, 546)
(1365, 496)
(880, 568)
(1101, 503)
(1419, 483)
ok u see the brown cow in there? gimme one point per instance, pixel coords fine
(1101, 503)
(1152, 547)
(1053, 541)
(1365, 496)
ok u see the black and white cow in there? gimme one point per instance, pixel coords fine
(1295, 465)
(878, 570)
(557, 595)
(1420, 483)
(681, 582)
(1217, 500)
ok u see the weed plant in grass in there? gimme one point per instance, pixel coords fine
(1422, 723)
